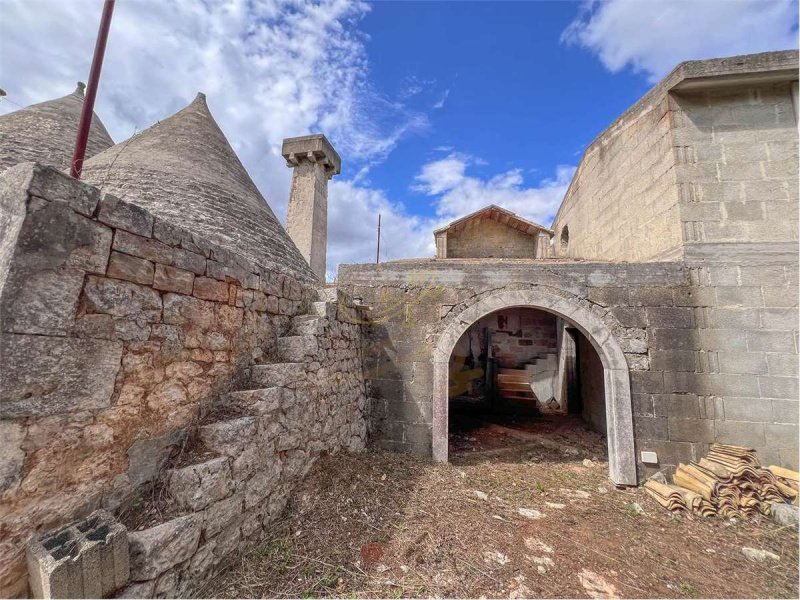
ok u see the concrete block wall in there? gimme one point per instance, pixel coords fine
(736, 151)
(622, 204)
(490, 238)
(119, 330)
(709, 359)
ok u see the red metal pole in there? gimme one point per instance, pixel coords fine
(91, 91)
(378, 252)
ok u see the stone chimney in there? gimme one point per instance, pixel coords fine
(314, 162)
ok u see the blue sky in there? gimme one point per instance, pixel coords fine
(437, 108)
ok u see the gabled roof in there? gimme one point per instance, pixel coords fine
(183, 170)
(46, 133)
(501, 215)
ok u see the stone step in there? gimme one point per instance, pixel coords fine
(323, 309)
(287, 374)
(297, 348)
(196, 486)
(228, 437)
(308, 325)
(258, 402)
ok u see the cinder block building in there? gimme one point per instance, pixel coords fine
(159, 305)
(673, 266)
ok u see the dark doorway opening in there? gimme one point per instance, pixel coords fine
(522, 372)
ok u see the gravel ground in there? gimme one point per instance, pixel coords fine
(508, 517)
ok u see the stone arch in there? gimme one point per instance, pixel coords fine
(619, 415)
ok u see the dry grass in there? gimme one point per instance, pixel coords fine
(388, 525)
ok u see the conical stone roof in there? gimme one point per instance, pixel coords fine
(184, 170)
(45, 133)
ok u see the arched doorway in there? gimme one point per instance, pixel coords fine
(619, 419)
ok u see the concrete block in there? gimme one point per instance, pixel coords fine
(747, 409)
(780, 295)
(691, 430)
(739, 296)
(675, 339)
(650, 428)
(734, 318)
(771, 341)
(651, 296)
(743, 211)
(673, 360)
(782, 435)
(779, 318)
(694, 296)
(677, 406)
(742, 362)
(785, 411)
(778, 387)
(86, 559)
(740, 433)
(647, 382)
(721, 339)
(762, 275)
(123, 215)
(670, 317)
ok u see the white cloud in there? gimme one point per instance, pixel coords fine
(458, 194)
(653, 37)
(271, 69)
(353, 221)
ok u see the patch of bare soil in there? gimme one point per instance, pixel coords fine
(526, 520)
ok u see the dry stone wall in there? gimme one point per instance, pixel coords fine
(120, 332)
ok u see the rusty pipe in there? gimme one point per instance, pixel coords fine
(91, 91)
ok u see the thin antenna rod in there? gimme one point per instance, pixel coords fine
(378, 253)
(91, 92)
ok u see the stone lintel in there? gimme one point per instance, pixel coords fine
(314, 148)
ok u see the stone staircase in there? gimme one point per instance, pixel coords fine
(252, 447)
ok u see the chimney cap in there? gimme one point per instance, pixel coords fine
(317, 145)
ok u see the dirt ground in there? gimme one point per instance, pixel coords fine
(512, 516)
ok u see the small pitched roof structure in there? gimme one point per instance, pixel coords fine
(493, 232)
(46, 132)
(501, 215)
(183, 170)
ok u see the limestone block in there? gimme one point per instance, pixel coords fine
(189, 261)
(143, 589)
(210, 289)
(221, 514)
(297, 348)
(226, 543)
(228, 437)
(142, 247)
(132, 218)
(166, 585)
(258, 402)
(289, 375)
(12, 456)
(86, 559)
(154, 550)
(146, 457)
(184, 310)
(130, 268)
(122, 299)
(42, 302)
(263, 482)
(196, 486)
(52, 184)
(48, 375)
